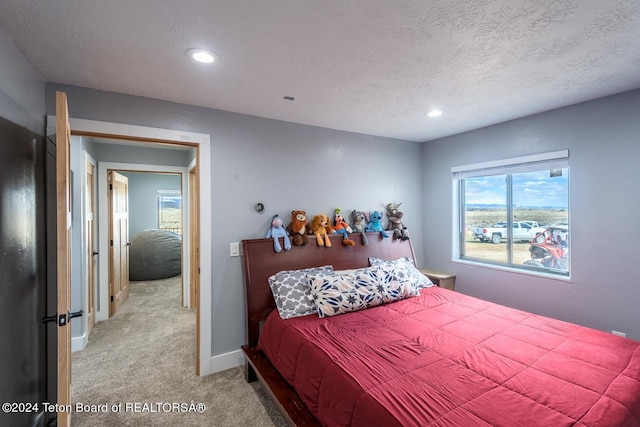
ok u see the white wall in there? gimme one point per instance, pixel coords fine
(603, 139)
(78, 242)
(286, 166)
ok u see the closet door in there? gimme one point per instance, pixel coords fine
(23, 352)
(118, 240)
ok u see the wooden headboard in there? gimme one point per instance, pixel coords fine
(259, 261)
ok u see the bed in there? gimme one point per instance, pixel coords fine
(439, 358)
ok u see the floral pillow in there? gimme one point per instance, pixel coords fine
(338, 294)
(395, 282)
(360, 289)
(291, 293)
(418, 279)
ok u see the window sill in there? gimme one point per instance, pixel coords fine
(514, 270)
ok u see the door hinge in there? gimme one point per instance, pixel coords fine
(111, 298)
(111, 187)
(111, 242)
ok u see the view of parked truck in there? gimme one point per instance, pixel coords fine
(523, 231)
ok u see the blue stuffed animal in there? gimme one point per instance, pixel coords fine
(277, 230)
(375, 223)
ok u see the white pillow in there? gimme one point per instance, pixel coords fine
(418, 279)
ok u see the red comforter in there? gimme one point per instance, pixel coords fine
(446, 359)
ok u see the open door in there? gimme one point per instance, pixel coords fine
(63, 249)
(118, 241)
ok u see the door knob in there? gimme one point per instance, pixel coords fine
(78, 313)
(47, 319)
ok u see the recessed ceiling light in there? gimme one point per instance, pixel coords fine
(433, 113)
(202, 55)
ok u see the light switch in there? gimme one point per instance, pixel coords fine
(234, 249)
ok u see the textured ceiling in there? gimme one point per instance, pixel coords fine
(368, 66)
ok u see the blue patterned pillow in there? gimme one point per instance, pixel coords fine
(418, 279)
(291, 293)
(395, 282)
(360, 289)
(338, 294)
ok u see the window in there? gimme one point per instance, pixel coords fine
(169, 210)
(527, 195)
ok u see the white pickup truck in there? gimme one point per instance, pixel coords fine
(522, 231)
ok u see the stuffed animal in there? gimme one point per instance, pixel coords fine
(395, 221)
(375, 223)
(321, 227)
(359, 221)
(341, 226)
(297, 228)
(277, 230)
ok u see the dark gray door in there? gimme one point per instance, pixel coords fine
(23, 260)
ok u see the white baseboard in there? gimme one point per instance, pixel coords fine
(225, 361)
(79, 343)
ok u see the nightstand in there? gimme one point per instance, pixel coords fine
(443, 280)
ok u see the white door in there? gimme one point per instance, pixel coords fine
(118, 240)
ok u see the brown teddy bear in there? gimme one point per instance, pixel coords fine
(298, 228)
(321, 227)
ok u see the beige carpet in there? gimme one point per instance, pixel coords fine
(138, 369)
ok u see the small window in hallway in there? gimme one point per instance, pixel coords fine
(169, 210)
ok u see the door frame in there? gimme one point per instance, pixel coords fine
(194, 248)
(89, 258)
(103, 218)
(202, 141)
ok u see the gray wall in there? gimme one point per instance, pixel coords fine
(286, 166)
(603, 139)
(22, 91)
(143, 201)
(116, 153)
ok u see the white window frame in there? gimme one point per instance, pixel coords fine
(160, 194)
(529, 163)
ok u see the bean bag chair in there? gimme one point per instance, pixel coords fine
(154, 254)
